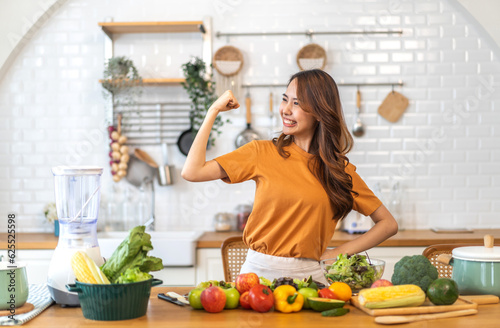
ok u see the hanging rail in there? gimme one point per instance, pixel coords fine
(309, 33)
(361, 84)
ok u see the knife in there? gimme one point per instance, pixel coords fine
(171, 299)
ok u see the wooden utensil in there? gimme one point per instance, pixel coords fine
(358, 128)
(481, 299)
(390, 320)
(143, 156)
(393, 106)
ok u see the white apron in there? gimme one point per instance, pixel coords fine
(272, 267)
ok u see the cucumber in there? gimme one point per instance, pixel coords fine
(335, 312)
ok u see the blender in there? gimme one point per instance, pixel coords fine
(77, 194)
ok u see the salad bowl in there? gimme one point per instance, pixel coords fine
(357, 270)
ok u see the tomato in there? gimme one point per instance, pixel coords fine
(261, 298)
(327, 293)
(244, 301)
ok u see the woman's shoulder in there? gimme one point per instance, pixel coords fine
(264, 145)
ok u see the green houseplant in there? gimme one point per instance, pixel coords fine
(122, 80)
(201, 91)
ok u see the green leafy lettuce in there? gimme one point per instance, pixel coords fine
(354, 271)
(130, 261)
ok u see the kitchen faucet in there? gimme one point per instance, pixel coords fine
(150, 224)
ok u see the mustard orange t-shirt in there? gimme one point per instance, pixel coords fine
(292, 215)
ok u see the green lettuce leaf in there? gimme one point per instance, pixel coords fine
(132, 253)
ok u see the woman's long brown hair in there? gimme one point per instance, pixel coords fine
(318, 95)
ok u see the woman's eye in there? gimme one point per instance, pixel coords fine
(296, 103)
(284, 99)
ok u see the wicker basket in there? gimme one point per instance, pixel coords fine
(311, 56)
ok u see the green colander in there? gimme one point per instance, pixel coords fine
(107, 302)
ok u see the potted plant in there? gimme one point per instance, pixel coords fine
(201, 92)
(122, 80)
(50, 213)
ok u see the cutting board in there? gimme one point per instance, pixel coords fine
(393, 106)
(427, 307)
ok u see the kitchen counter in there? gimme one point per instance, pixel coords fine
(161, 313)
(407, 238)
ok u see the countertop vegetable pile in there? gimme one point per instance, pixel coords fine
(284, 294)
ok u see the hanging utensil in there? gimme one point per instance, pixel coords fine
(186, 138)
(393, 106)
(248, 134)
(271, 116)
(165, 171)
(358, 129)
(143, 156)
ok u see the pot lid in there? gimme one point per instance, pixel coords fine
(77, 170)
(486, 253)
(477, 253)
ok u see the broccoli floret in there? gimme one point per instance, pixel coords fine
(416, 270)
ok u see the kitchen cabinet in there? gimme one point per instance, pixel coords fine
(208, 265)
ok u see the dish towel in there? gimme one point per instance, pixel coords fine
(39, 296)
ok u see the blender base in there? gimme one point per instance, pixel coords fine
(64, 298)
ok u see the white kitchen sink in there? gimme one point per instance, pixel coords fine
(175, 248)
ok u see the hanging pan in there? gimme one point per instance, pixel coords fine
(186, 138)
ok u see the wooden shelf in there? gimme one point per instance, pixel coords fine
(171, 81)
(152, 27)
(163, 81)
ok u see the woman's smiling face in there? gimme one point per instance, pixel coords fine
(296, 121)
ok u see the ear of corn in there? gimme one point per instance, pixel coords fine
(86, 270)
(391, 296)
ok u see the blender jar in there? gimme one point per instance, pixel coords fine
(77, 195)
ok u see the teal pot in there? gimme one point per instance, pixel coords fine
(476, 269)
(107, 302)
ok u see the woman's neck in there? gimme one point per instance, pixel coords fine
(303, 143)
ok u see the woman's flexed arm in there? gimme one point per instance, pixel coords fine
(196, 168)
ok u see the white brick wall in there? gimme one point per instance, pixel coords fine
(445, 149)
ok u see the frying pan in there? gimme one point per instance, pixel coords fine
(186, 138)
(248, 134)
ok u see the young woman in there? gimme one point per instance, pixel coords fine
(304, 182)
